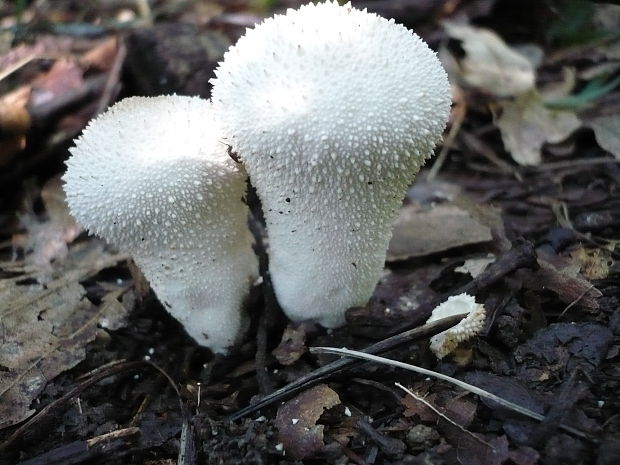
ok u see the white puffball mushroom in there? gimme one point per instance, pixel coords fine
(152, 177)
(444, 343)
(333, 110)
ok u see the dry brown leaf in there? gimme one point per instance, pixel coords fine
(566, 283)
(292, 346)
(418, 232)
(296, 421)
(101, 56)
(64, 76)
(45, 241)
(45, 327)
(415, 407)
(490, 64)
(526, 125)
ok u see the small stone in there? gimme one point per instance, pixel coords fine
(421, 437)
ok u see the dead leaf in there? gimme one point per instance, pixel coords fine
(292, 346)
(562, 348)
(593, 263)
(45, 327)
(296, 421)
(46, 240)
(102, 56)
(64, 76)
(607, 132)
(417, 408)
(475, 266)
(526, 125)
(566, 283)
(490, 64)
(418, 232)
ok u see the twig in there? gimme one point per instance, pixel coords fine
(574, 302)
(457, 382)
(111, 84)
(477, 145)
(447, 145)
(521, 255)
(389, 446)
(270, 310)
(443, 415)
(559, 165)
(187, 447)
(114, 444)
(120, 367)
(324, 372)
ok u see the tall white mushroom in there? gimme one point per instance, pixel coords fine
(152, 177)
(333, 110)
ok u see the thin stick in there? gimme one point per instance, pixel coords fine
(443, 415)
(322, 373)
(447, 145)
(457, 382)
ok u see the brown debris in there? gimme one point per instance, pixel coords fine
(292, 346)
(297, 421)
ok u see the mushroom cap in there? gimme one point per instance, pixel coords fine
(444, 343)
(364, 86)
(152, 177)
(333, 110)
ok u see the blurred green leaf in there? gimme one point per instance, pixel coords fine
(596, 88)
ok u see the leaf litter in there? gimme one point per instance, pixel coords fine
(531, 154)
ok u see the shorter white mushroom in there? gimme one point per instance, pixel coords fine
(444, 343)
(152, 177)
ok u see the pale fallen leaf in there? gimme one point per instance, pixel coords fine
(607, 132)
(490, 64)
(475, 266)
(526, 125)
(45, 327)
(418, 232)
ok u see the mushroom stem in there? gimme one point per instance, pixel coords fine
(151, 177)
(333, 110)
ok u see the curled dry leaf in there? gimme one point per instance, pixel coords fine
(490, 64)
(296, 421)
(526, 125)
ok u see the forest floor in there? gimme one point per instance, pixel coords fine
(520, 208)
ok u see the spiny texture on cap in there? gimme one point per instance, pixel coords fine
(333, 110)
(152, 177)
(444, 343)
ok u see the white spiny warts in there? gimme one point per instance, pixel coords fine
(333, 110)
(152, 177)
(444, 343)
